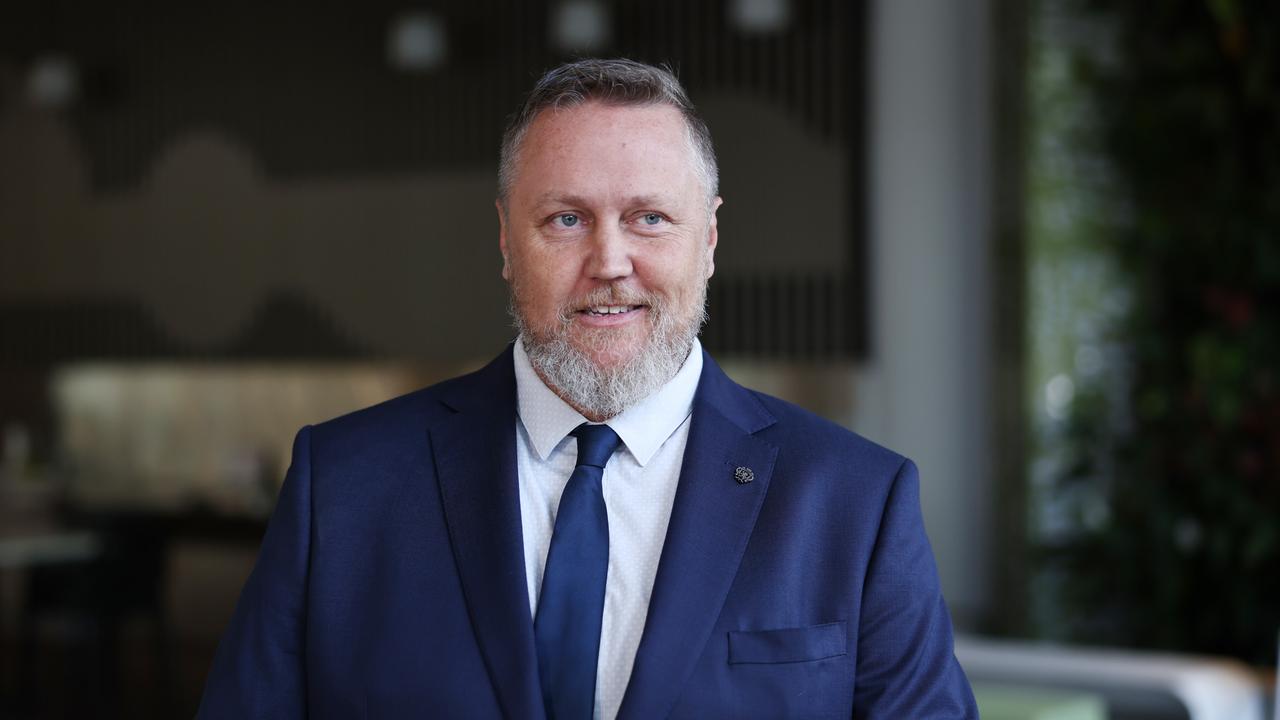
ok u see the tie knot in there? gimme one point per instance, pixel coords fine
(596, 444)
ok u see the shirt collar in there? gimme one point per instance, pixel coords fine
(643, 427)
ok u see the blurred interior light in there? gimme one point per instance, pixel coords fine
(54, 81)
(416, 42)
(580, 26)
(760, 16)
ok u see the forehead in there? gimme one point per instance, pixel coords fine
(596, 149)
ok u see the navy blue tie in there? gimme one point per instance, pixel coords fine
(570, 607)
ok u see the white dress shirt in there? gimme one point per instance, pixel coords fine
(639, 489)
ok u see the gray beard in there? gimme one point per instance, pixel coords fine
(602, 393)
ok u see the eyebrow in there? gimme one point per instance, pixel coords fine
(554, 198)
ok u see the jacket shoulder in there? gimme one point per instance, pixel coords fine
(410, 409)
(428, 404)
(398, 422)
(801, 432)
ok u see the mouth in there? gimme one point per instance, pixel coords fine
(610, 315)
(607, 310)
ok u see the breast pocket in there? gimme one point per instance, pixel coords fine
(787, 645)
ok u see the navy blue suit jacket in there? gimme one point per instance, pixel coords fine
(391, 579)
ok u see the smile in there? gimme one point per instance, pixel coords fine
(601, 310)
(611, 316)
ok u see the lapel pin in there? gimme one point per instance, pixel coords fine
(743, 475)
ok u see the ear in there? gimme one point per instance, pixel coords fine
(502, 240)
(713, 236)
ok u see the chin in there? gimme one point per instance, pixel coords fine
(610, 348)
(603, 371)
(609, 361)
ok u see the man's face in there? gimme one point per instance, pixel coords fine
(608, 236)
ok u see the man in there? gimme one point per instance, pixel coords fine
(599, 522)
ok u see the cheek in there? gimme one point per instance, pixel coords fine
(685, 276)
(541, 292)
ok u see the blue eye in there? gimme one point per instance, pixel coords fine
(652, 218)
(567, 220)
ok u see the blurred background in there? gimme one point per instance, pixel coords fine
(1034, 245)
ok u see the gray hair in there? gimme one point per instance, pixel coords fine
(613, 82)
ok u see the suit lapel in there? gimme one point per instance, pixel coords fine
(480, 494)
(711, 522)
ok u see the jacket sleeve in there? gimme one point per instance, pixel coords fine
(259, 669)
(906, 662)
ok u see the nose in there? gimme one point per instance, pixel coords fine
(610, 254)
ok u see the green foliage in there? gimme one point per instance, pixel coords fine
(1185, 553)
